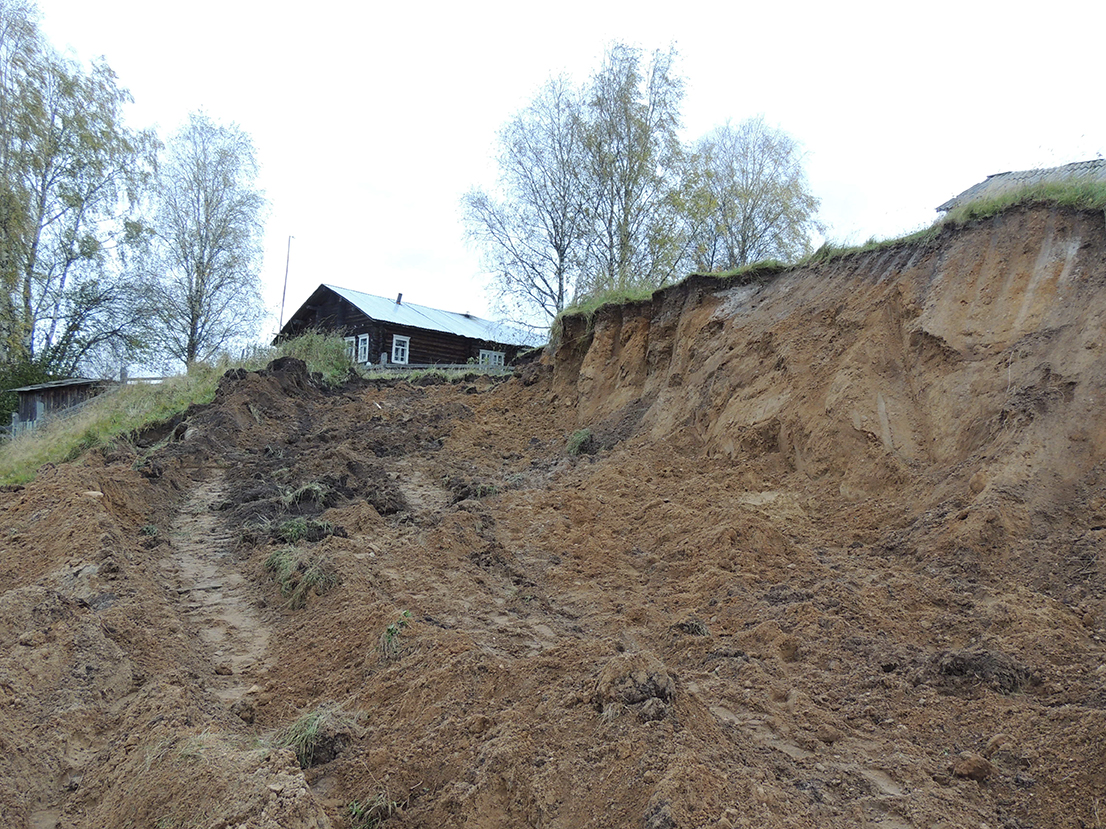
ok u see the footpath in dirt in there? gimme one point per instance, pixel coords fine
(828, 555)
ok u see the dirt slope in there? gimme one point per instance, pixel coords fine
(834, 561)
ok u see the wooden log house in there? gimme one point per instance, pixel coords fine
(393, 332)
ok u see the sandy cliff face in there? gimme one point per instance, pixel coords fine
(878, 366)
(835, 561)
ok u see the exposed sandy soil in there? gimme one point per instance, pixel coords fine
(833, 561)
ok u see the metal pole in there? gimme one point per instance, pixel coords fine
(284, 293)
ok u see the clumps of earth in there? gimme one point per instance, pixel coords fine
(830, 560)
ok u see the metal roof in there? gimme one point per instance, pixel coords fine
(433, 319)
(997, 183)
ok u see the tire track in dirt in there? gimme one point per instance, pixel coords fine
(216, 601)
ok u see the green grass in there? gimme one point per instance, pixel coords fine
(1082, 194)
(303, 735)
(123, 413)
(435, 376)
(580, 442)
(389, 639)
(313, 491)
(1079, 194)
(753, 272)
(372, 811)
(302, 529)
(325, 354)
(589, 306)
(299, 572)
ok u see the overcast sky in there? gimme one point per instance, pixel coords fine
(372, 119)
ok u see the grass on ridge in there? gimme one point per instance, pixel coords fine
(127, 410)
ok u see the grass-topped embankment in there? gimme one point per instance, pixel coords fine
(130, 409)
(589, 306)
(1080, 194)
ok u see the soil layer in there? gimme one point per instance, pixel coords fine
(830, 557)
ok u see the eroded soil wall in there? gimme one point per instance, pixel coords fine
(831, 559)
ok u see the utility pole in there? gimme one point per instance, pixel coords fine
(284, 293)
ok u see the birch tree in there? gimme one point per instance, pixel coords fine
(748, 198)
(208, 226)
(597, 196)
(72, 175)
(632, 164)
(532, 227)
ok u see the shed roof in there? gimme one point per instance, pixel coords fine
(1094, 170)
(57, 384)
(433, 319)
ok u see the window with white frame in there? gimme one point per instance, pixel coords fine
(401, 347)
(491, 358)
(363, 348)
(351, 345)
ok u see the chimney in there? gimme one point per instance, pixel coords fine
(399, 299)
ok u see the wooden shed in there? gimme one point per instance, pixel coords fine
(40, 401)
(395, 332)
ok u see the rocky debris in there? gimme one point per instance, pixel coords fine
(638, 681)
(993, 668)
(973, 767)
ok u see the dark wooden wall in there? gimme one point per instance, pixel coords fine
(328, 311)
(55, 399)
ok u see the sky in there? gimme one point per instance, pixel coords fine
(371, 120)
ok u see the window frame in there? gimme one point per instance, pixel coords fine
(399, 341)
(362, 348)
(351, 347)
(492, 359)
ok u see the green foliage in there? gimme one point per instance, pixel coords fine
(149, 530)
(598, 201)
(372, 812)
(389, 639)
(580, 442)
(299, 572)
(69, 173)
(747, 197)
(632, 169)
(587, 191)
(324, 353)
